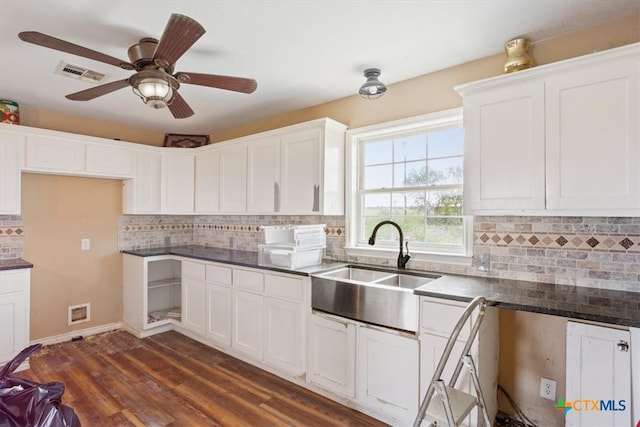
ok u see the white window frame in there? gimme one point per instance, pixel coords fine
(461, 255)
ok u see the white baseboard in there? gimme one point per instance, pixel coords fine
(79, 332)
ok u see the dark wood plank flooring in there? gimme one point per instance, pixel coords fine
(115, 379)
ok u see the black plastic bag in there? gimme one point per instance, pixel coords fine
(25, 403)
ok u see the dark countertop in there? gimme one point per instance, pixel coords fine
(14, 264)
(229, 256)
(599, 305)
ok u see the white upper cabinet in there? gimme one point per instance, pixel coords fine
(54, 154)
(300, 191)
(559, 139)
(178, 181)
(11, 145)
(207, 186)
(263, 176)
(106, 160)
(233, 178)
(505, 124)
(141, 194)
(592, 140)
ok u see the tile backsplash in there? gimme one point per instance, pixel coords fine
(582, 251)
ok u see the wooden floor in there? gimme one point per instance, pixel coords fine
(115, 379)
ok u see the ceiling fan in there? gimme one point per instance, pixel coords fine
(154, 62)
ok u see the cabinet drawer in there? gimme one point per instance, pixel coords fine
(249, 280)
(219, 275)
(14, 281)
(441, 316)
(282, 286)
(192, 269)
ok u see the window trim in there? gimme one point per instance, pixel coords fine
(352, 176)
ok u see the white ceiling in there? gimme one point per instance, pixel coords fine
(302, 53)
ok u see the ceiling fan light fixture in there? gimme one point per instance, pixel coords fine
(154, 92)
(372, 88)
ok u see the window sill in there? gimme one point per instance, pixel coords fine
(415, 256)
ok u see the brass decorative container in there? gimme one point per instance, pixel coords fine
(518, 57)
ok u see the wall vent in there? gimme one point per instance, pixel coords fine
(79, 313)
(78, 72)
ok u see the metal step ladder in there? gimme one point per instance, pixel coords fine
(443, 403)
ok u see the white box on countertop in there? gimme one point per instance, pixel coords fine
(299, 236)
(288, 256)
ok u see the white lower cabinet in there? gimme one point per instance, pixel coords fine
(375, 367)
(283, 340)
(247, 323)
(388, 378)
(438, 317)
(598, 369)
(193, 297)
(15, 288)
(331, 354)
(218, 303)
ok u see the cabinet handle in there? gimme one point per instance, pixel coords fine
(276, 197)
(316, 199)
(623, 346)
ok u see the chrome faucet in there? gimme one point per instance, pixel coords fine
(402, 258)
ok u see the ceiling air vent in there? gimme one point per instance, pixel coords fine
(77, 72)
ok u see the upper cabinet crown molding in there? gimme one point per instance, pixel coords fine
(559, 139)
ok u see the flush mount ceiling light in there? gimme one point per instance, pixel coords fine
(372, 88)
(154, 87)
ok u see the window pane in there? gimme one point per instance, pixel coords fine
(385, 233)
(446, 143)
(377, 205)
(413, 227)
(378, 152)
(413, 147)
(445, 171)
(444, 230)
(444, 203)
(378, 177)
(409, 173)
(407, 204)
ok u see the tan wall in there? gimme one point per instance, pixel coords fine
(532, 346)
(58, 212)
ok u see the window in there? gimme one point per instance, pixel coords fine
(409, 172)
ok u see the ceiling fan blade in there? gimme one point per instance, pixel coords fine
(94, 92)
(179, 107)
(64, 46)
(237, 84)
(179, 35)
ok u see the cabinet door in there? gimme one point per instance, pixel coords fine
(300, 172)
(263, 158)
(593, 137)
(219, 314)
(194, 305)
(141, 194)
(247, 323)
(103, 160)
(10, 149)
(598, 369)
(331, 355)
(207, 190)
(233, 179)
(14, 313)
(504, 149)
(54, 155)
(388, 373)
(283, 335)
(178, 182)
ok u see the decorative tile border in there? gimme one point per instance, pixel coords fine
(578, 241)
(11, 231)
(254, 228)
(154, 227)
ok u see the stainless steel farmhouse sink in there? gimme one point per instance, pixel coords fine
(371, 295)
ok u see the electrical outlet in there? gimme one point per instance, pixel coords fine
(85, 244)
(548, 389)
(484, 261)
